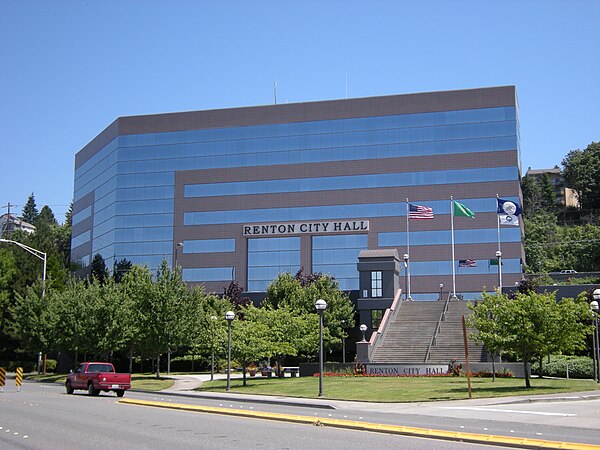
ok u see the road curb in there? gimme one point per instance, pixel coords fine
(244, 398)
(372, 427)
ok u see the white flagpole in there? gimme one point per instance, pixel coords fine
(453, 261)
(498, 217)
(407, 252)
(407, 231)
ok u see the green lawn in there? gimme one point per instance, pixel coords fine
(389, 389)
(143, 381)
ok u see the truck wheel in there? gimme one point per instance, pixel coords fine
(120, 392)
(69, 388)
(92, 390)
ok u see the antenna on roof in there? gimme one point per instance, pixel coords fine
(346, 85)
(275, 90)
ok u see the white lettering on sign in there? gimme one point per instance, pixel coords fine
(279, 229)
(405, 369)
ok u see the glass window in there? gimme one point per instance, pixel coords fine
(268, 257)
(208, 274)
(337, 256)
(209, 246)
(477, 205)
(80, 239)
(442, 237)
(376, 284)
(352, 182)
(376, 317)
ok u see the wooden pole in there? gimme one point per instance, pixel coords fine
(464, 327)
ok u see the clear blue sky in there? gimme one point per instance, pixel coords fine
(69, 68)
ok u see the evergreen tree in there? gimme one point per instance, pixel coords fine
(46, 216)
(99, 270)
(548, 194)
(69, 216)
(30, 212)
(121, 268)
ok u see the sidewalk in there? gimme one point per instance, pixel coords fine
(185, 384)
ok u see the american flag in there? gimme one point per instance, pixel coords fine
(467, 263)
(419, 212)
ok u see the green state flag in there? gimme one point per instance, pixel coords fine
(462, 210)
(494, 262)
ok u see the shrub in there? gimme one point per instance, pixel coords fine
(51, 365)
(488, 374)
(579, 367)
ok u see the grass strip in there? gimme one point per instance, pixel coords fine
(398, 389)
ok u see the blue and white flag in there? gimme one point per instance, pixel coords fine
(508, 212)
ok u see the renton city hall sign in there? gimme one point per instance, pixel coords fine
(306, 227)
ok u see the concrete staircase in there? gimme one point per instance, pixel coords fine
(450, 342)
(409, 336)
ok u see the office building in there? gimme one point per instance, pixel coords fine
(246, 193)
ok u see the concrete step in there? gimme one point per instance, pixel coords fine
(407, 338)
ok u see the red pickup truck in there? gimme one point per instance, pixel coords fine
(98, 376)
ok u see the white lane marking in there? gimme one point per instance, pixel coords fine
(25, 437)
(512, 411)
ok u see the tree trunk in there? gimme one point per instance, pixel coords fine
(130, 360)
(244, 373)
(494, 366)
(525, 367)
(541, 371)
(158, 366)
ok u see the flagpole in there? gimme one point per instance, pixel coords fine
(498, 217)
(453, 261)
(407, 252)
(407, 230)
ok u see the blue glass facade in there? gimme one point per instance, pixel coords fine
(268, 257)
(337, 256)
(145, 187)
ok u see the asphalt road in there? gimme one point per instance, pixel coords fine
(42, 416)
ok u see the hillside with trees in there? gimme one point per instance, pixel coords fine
(558, 237)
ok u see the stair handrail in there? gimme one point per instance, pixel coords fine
(389, 316)
(437, 328)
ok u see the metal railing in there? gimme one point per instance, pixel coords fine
(437, 328)
(388, 317)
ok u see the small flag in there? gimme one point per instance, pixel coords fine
(494, 262)
(508, 212)
(507, 219)
(419, 212)
(467, 263)
(462, 210)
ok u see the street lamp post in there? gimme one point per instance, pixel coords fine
(229, 316)
(343, 342)
(363, 329)
(177, 246)
(407, 277)
(594, 307)
(41, 255)
(38, 254)
(320, 306)
(441, 288)
(212, 347)
(499, 258)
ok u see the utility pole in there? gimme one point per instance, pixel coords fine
(6, 226)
